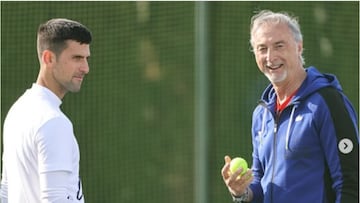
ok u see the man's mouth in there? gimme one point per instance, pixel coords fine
(79, 77)
(274, 67)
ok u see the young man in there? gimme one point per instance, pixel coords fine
(41, 155)
(304, 131)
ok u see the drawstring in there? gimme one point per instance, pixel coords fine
(289, 127)
(262, 132)
(263, 126)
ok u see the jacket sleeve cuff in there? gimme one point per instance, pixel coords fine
(257, 193)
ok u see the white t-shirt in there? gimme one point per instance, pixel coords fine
(39, 142)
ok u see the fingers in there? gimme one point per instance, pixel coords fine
(235, 182)
(225, 171)
(237, 185)
(248, 177)
(237, 173)
(227, 159)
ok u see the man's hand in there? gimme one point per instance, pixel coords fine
(235, 184)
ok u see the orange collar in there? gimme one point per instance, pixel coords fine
(280, 107)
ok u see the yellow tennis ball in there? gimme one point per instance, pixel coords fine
(237, 163)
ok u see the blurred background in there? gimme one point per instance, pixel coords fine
(171, 87)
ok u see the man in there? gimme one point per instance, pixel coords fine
(304, 130)
(41, 154)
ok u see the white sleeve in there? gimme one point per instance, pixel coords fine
(54, 145)
(4, 187)
(53, 187)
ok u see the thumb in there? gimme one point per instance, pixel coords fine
(227, 159)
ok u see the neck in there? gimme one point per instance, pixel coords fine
(41, 80)
(288, 87)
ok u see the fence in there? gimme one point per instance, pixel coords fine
(171, 87)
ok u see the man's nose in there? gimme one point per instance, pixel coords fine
(85, 67)
(269, 55)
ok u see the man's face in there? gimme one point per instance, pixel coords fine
(71, 66)
(276, 52)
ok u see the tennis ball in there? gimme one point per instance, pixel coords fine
(237, 163)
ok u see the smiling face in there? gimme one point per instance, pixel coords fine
(277, 53)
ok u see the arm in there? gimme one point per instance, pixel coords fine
(58, 158)
(4, 187)
(53, 187)
(258, 118)
(255, 186)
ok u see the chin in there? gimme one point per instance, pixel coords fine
(276, 78)
(74, 89)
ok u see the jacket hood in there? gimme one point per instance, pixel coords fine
(314, 81)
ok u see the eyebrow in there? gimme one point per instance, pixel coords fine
(80, 56)
(280, 42)
(276, 43)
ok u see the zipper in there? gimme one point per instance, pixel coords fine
(287, 136)
(277, 117)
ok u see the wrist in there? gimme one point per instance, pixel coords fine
(242, 198)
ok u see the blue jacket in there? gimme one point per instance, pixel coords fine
(309, 153)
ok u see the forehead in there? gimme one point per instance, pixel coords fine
(269, 33)
(74, 47)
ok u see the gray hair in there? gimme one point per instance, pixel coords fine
(266, 16)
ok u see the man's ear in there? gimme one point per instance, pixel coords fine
(300, 47)
(48, 57)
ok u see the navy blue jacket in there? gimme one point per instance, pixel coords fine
(310, 152)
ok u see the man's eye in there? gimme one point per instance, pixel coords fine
(279, 46)
(78, 58)
(262, 49)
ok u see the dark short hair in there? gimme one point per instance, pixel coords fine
(53, 34)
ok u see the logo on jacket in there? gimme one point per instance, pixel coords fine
(299, 118)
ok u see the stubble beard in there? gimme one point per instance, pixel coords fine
(276, 77)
